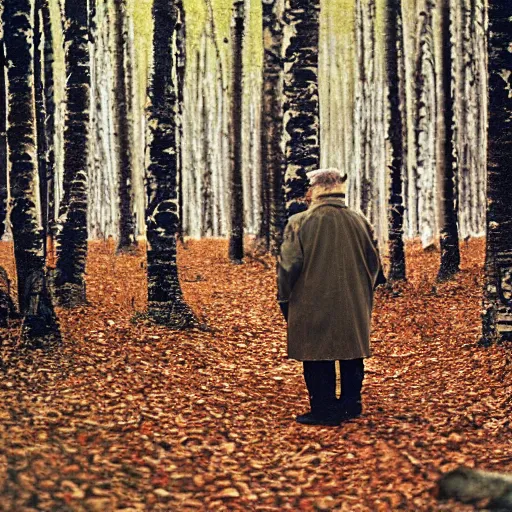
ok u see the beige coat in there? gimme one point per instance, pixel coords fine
(327, 271)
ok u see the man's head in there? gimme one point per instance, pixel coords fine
(326, 181)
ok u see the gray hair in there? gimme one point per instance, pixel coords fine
(326, 178)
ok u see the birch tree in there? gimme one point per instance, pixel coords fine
(479, 33)
(72, 239)
(181, 60)
(165, 298)
(236, 236)
(34, 299)
(301, 108)
(124, 122)
(41, 116)
(103, 168)
(470, 124)
(358, 113)
(446, 161)
(49, 108)
(272, 157)
(425, 119)
(370, 95)
(3, 134)
(396, 131)
(205, 106)
(411, 23)
(497, 303)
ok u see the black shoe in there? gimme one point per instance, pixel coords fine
(311, 419)
(349, 410)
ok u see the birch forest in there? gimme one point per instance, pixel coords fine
(151, 155)
(354, 109)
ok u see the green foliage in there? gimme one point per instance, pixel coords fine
(140, 11)
(340, 14)
(196, 18)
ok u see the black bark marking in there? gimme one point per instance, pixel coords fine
(165, 298)
(236, 235)
(449, 232)
(497, 304)
(394, 40)
(72, 240)
(301, 108)
(127, 238)
(33, 295)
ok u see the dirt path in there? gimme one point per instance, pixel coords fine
(129, 416)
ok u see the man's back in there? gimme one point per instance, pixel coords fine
(330, 296)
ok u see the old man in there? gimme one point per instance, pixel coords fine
(328, 268)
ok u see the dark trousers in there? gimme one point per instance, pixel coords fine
(320, 377)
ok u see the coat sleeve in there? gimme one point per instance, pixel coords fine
(290, 262)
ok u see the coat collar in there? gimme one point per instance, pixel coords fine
(332, 199)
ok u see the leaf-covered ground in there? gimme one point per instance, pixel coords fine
(129, 416)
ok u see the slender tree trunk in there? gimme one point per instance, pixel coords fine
(34, 300)
(497, 304)
(464, 124)
(223, 151)
(236, 237)
(404, 109)
(425, 127)
(216, 137)
(72, 249)
(49, 100)
(481, 108)
(301, 110)
(222, 130)
(205, 105)
(355, 184)
(370, 93)
(135, 108)
(409, 24)
(124, 121)
(394, 40)
(165, 299)
(40, 103)
(471, 113)
(4, 182)
(181, 60)
(446, 192)
(97, 159)
(197, 141)
(208, 163)
(272, 156)
(103, 202)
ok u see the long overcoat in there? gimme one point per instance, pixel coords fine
(327, 270)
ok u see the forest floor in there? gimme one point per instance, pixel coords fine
(129, 416)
